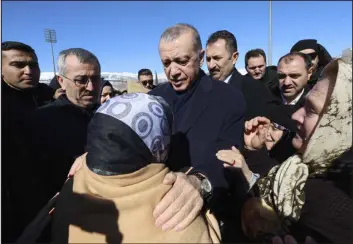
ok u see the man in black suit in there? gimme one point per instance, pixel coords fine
(208, 116)
(255, 64)
(221, 57)
(294, 72)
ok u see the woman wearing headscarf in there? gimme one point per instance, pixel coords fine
(309, 194)
(112, 197)
(107, 91)
(319, 55)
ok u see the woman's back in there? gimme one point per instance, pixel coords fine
(112, 198)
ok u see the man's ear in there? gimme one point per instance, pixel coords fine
(310, 72)
(61, 82)
(202, 57)
(235, 56)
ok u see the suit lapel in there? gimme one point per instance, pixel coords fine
(199, 102)
(236, 79)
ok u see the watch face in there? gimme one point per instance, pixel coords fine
(206, 186)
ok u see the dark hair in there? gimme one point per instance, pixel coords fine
(144, 72)
(10, 45)
(290, 56)
(254, 53)
(231, 41)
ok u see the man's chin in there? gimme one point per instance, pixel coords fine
(259, 77)
(88, 103)
(28, 85)
(179, 88)
(215, 76)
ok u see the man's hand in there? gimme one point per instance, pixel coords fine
(181, 205)
(255, 132)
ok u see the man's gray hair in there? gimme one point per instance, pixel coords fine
(174, 32)
(81, 54)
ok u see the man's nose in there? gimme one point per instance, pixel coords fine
(212, 64)
(174, 71)
(91, 86)
(27, 70)
(287, 81)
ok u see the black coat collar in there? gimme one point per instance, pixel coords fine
(236, 79)
(63, 101)
(198, 102)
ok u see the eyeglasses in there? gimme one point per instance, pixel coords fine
(312, 55)
(276, 126)
(83, 81)
(146, 82)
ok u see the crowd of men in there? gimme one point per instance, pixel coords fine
(44, 128)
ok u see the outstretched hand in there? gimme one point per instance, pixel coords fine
(233, 158)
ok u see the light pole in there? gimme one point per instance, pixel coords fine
(270, 35)
(50, 36)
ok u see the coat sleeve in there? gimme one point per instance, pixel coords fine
(231, 134)
(232, 131)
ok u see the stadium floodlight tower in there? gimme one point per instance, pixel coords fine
(50, 36)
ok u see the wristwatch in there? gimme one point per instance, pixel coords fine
(206, 186)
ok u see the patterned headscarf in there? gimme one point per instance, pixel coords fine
(132, 130)
(282, 190)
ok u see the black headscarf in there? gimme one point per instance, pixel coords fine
(105, 83)
(127, 133)
(324, 56)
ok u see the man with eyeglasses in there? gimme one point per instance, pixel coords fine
(318, 54)
(145, 78)
(57, 132)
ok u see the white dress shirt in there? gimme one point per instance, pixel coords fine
(295, 100)
(227, 80)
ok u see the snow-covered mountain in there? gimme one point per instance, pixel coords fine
(118, 79)
(111, 76)
(116, 76)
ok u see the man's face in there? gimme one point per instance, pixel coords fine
(308, 116)
(20, 69)
(107, 93)
(256, 67)
(314, 56)
(81, 82)
(220, 62)
(146, 81)
(293, 77)
(181, 61)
